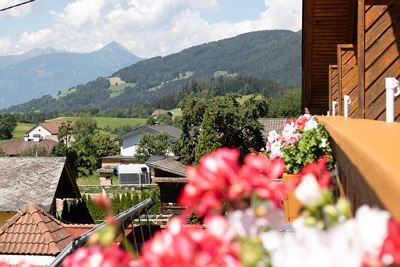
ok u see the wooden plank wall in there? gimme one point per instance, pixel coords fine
(381, 55)
(333, 86)
(348, 77)
(326, 23)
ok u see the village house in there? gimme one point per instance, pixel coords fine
(45, 130)
(170, 176)
(129, 141)
(40, 181)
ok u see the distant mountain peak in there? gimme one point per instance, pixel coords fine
(114, 46)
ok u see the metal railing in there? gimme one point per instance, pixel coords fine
(125, 218)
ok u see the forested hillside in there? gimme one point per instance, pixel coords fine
(266, 62)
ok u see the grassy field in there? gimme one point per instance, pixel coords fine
(177, 112)
(21, 129)
(104, 121)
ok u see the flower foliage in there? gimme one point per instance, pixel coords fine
(220, 179)
(251, 235)
(302, 141)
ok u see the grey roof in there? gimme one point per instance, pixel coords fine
(169, 165)
(29, 180)
(271, 124)
(171, 130)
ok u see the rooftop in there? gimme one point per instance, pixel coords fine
(169, 165)
(52, 127)
(171, 130)
(33, 180)
(14, 147)
(271, 124)
(33, 232)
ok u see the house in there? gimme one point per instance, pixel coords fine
(170, 176)
(34, 180)
(349, 48)
(45, 130)
(32, 236)
(15, 147)
(129, 141)
(272, 124)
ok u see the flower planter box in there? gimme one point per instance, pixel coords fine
(291, 206)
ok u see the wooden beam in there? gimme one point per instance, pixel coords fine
(361, 57)
(308, 7)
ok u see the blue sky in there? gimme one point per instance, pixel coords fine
(145, 27)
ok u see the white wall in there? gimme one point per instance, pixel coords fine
(29, 259)
(129, 144)
(39, 130)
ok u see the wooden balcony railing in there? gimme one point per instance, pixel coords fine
(368, 157)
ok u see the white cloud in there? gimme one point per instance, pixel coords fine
(5, 45)
(150, 28)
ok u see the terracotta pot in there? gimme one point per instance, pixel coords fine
(291, 206)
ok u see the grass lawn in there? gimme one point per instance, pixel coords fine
(94, 179)
(90, 180)
(21, 129)
(177, 112)
(104, 121)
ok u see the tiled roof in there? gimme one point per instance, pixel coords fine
(29, 180)
(171, 130)
(14, 147)
(169, 165)
(272, 124)
(33, 232)
(52, 127)
(76, 230)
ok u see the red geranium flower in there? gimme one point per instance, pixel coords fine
(390, 252)
(220, 178)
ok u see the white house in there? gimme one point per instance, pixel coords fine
(46, 130)
(129, 141)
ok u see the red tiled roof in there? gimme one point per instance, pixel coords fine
(52, 127)
(76, 230)
(33, 232)
(14, 147)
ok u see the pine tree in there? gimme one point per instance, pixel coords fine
(208, 140)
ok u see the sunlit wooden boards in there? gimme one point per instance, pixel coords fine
(326, 23)
(348, 77)
(381, 54)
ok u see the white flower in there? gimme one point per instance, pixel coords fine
(308, 191)
(243, 222)
(313, 247)
(324, 143)
(271, 240)
(273, 136)
(310, 124)
(276, 150)
(371, 225)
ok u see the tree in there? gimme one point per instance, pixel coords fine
(7, 125)
(236, 125)
(90, 149)
(209, 139)
(84, 126)
(65, 132)
(158, 144)
(286, 106)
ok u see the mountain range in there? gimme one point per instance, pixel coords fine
(47, 71)
(266, 55)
